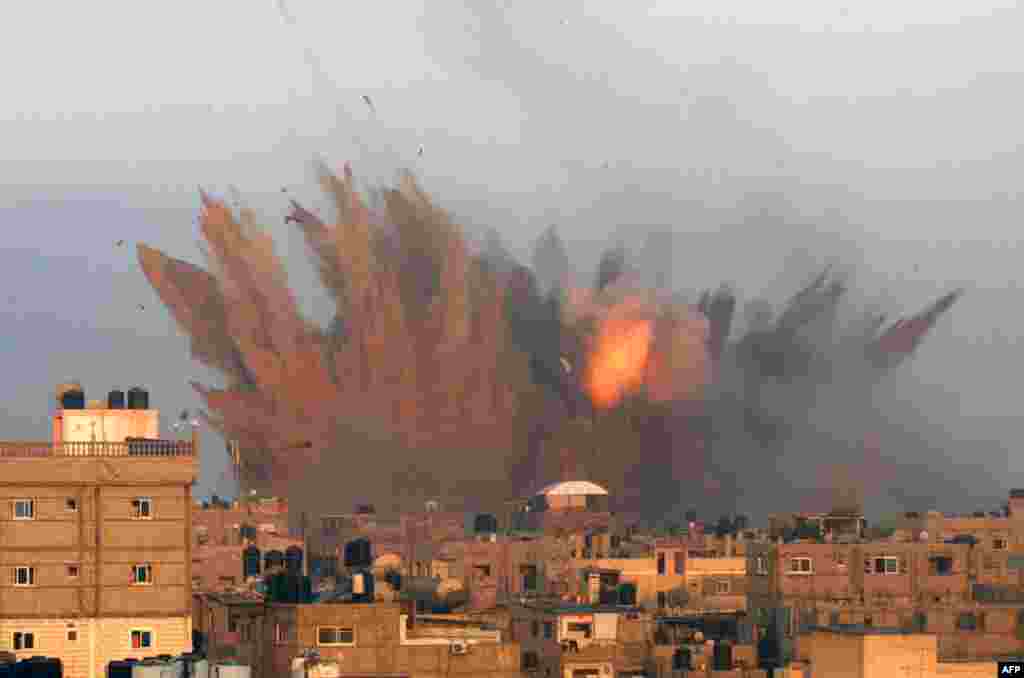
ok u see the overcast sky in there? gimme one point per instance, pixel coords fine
(771, 137)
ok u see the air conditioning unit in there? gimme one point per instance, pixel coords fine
(458, 647)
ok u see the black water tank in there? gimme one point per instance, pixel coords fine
(115, 400)
(39, 667)
(293, 559)
(358, 553)
(250, 562)
(485, 523)
(273, 559)
(73, 400)
(138, 398)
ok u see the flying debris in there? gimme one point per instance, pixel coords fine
(448, 347)
(142, 307)
(369, 103)
(119, 243)
(419, 151)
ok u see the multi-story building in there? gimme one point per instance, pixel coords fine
(963, 587)
(563, 640)
(95, 539)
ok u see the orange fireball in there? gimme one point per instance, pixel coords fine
(618, 362)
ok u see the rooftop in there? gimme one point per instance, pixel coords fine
(861, 630)
(573, 487)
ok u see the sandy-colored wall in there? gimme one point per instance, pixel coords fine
(110, 426)
(981, 669)
(100, 641)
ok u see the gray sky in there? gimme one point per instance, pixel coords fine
(772, 139)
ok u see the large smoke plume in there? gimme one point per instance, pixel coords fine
(454, 371)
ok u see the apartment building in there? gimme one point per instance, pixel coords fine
(222, 533)
(573, 640)
(95, 539)
(940, 588)
(373, 639)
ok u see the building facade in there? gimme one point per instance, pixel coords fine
(95, 542)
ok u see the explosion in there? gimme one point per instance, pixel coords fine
(459, 373)
(618, 362)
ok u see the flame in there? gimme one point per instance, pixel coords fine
(617, 364)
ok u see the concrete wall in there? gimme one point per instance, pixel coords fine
(109, 426)
(97, 641)
(377, 647)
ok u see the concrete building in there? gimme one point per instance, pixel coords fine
(966, 592)
(859, 652)
(379, 639)
(95, 541)
(569, 641)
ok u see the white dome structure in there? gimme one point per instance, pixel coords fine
(571, 495)
(573, 487)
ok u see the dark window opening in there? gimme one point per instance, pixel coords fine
(661, 563)
(941, 566)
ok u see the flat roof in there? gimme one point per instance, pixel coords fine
(861, 630)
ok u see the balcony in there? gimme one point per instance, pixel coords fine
(145, 448)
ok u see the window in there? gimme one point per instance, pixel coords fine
(801, 566)
(576, 627)
(280, 634)
(680, 562)
(142, 574)
(549, 630)
(535, 628)
(941, 566)
(232, 623)
(530, 661)
(24, 509)
(919, 622)
(24, 576)
(142, 508)
(833, 618)
(24, 641)
(885, 565)
(662, 599)
(998, 544)
(72, 571)
(141, 640)
(72, 635)
(722, 587)
(761, 565)
(71, 505)
(967, 622)
(661, 563)
(335, 635)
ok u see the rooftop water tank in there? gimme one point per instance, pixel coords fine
(138, 398)
(485, 523)
(293, 559)
(230, 670)
(250, 562)
(358, 553)
(115, 400)
(120, 669)
(71, 397)
(39, 667)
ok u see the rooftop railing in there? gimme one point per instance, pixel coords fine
(142, 448)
